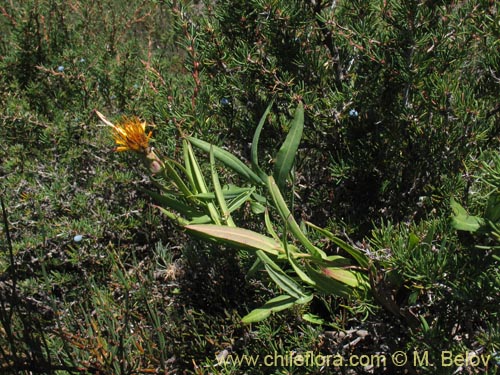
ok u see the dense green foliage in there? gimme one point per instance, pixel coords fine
(398, 157)
(397, 96)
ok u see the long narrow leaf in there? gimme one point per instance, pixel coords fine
(296, 267)
(255, 144)
(327, 284)
(172, 173)
(226, 215)
(288, 150)
(256, 266)
(344, 276)
(273, 305)
(198, 178)
(228, 192)
(168, 201)
(228, 159)
(172, 216)
(238, 237)
(288, 218)
(200, 183)
(238, 201)
(286, 283)
(361, 258)
(276, 304)
(189, 169)
(281, 279)
(202, 219)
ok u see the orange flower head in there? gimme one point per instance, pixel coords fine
(129, 134)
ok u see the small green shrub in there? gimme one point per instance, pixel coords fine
(205, 209)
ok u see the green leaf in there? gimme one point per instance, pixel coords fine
(462, 220)
(413, 241)
(188, 168)
(169, 201)
(255, 144)
(238, 201)
(228, 192)
(314, 319)
(281, 279)
(425, 325)
(257, 208)
(227, 159)
(205, 219)
(327, 284)
(361, 258)
(296, 266)
(493, 208)
(286, 154)
(237, 237)
(172, 216)
(174, 176)
(226, 215)
(332, 261)
(288, 218)
(269, 226)
(200, 183)
(256, 266)
(344, 276)
(273, 305)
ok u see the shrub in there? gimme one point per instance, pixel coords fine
(396, 95)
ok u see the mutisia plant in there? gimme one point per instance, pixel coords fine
(204, 207)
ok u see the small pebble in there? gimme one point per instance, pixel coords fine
(77, 238)
(60, 68)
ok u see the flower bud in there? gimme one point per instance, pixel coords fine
(153, 162)
(155, 167)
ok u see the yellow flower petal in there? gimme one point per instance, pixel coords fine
(129, 134)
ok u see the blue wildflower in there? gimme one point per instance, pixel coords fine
(353, 113)
(225, 101)
(60, 68)
(77, 238)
